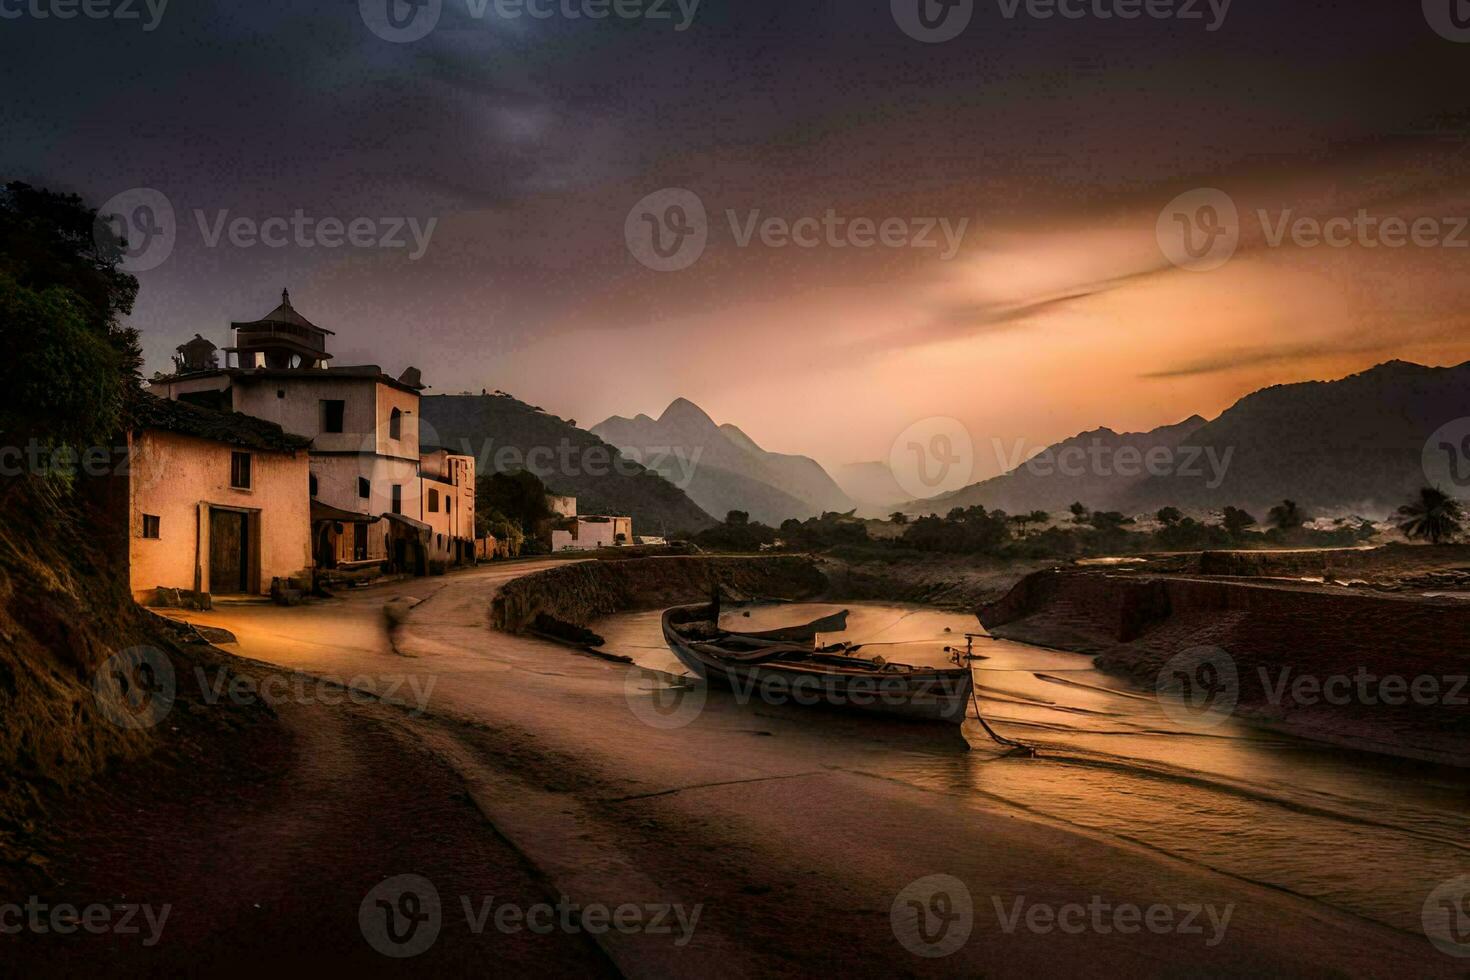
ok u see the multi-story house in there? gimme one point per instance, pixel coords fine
(367, 488)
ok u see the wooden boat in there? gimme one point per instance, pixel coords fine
(786, 666)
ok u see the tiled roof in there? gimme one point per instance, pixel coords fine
(234, 428)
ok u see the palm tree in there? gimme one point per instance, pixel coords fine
(1435, 517)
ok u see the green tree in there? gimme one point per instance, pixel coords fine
(1080, 513)
(1286, 516)
(1237, 522)
(519, 497)
(1434, 516)
(899, 517)
(71, 367)
(737, 518)
(1169, 516)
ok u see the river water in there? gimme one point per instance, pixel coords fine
(1368, 835)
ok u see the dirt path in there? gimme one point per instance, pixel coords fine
(264, 860)
(776, 824)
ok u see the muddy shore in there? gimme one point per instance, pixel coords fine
(533, 773)
(1331, 662)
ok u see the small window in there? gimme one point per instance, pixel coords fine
(364, 487)
(395, 424)
(397, 499)
(240, 471)
(332, 412)
(312, 481)
(434, 501)
(280, 392)
(448, 504)
(150, 526)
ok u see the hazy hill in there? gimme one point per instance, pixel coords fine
(1354, 445)
(872, 486)
(501, 433)
(1066, 472)
(722, 468)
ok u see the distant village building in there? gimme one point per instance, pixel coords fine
(218, 502)
(368, 492)
(573, 532)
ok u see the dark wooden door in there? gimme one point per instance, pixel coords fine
(229, 549)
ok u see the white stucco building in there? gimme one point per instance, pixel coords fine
(367, 485)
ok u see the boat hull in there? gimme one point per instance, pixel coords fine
(920, 694)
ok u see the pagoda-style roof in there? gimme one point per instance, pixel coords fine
(283, 314)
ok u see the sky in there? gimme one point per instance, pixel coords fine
(983, 229)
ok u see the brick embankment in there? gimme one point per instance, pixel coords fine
(1275, 634)
(579, 593)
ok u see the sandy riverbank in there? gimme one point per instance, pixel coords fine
(1321, 661)
(773, 821)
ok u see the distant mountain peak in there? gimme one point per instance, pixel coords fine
(682, 411)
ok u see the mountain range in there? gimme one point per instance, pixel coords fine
(502, 432)
(1354, 445)
(723, 469)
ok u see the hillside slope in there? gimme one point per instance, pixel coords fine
(505, 434)
(722, 468)
(1355, 444)
(1087, 467)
